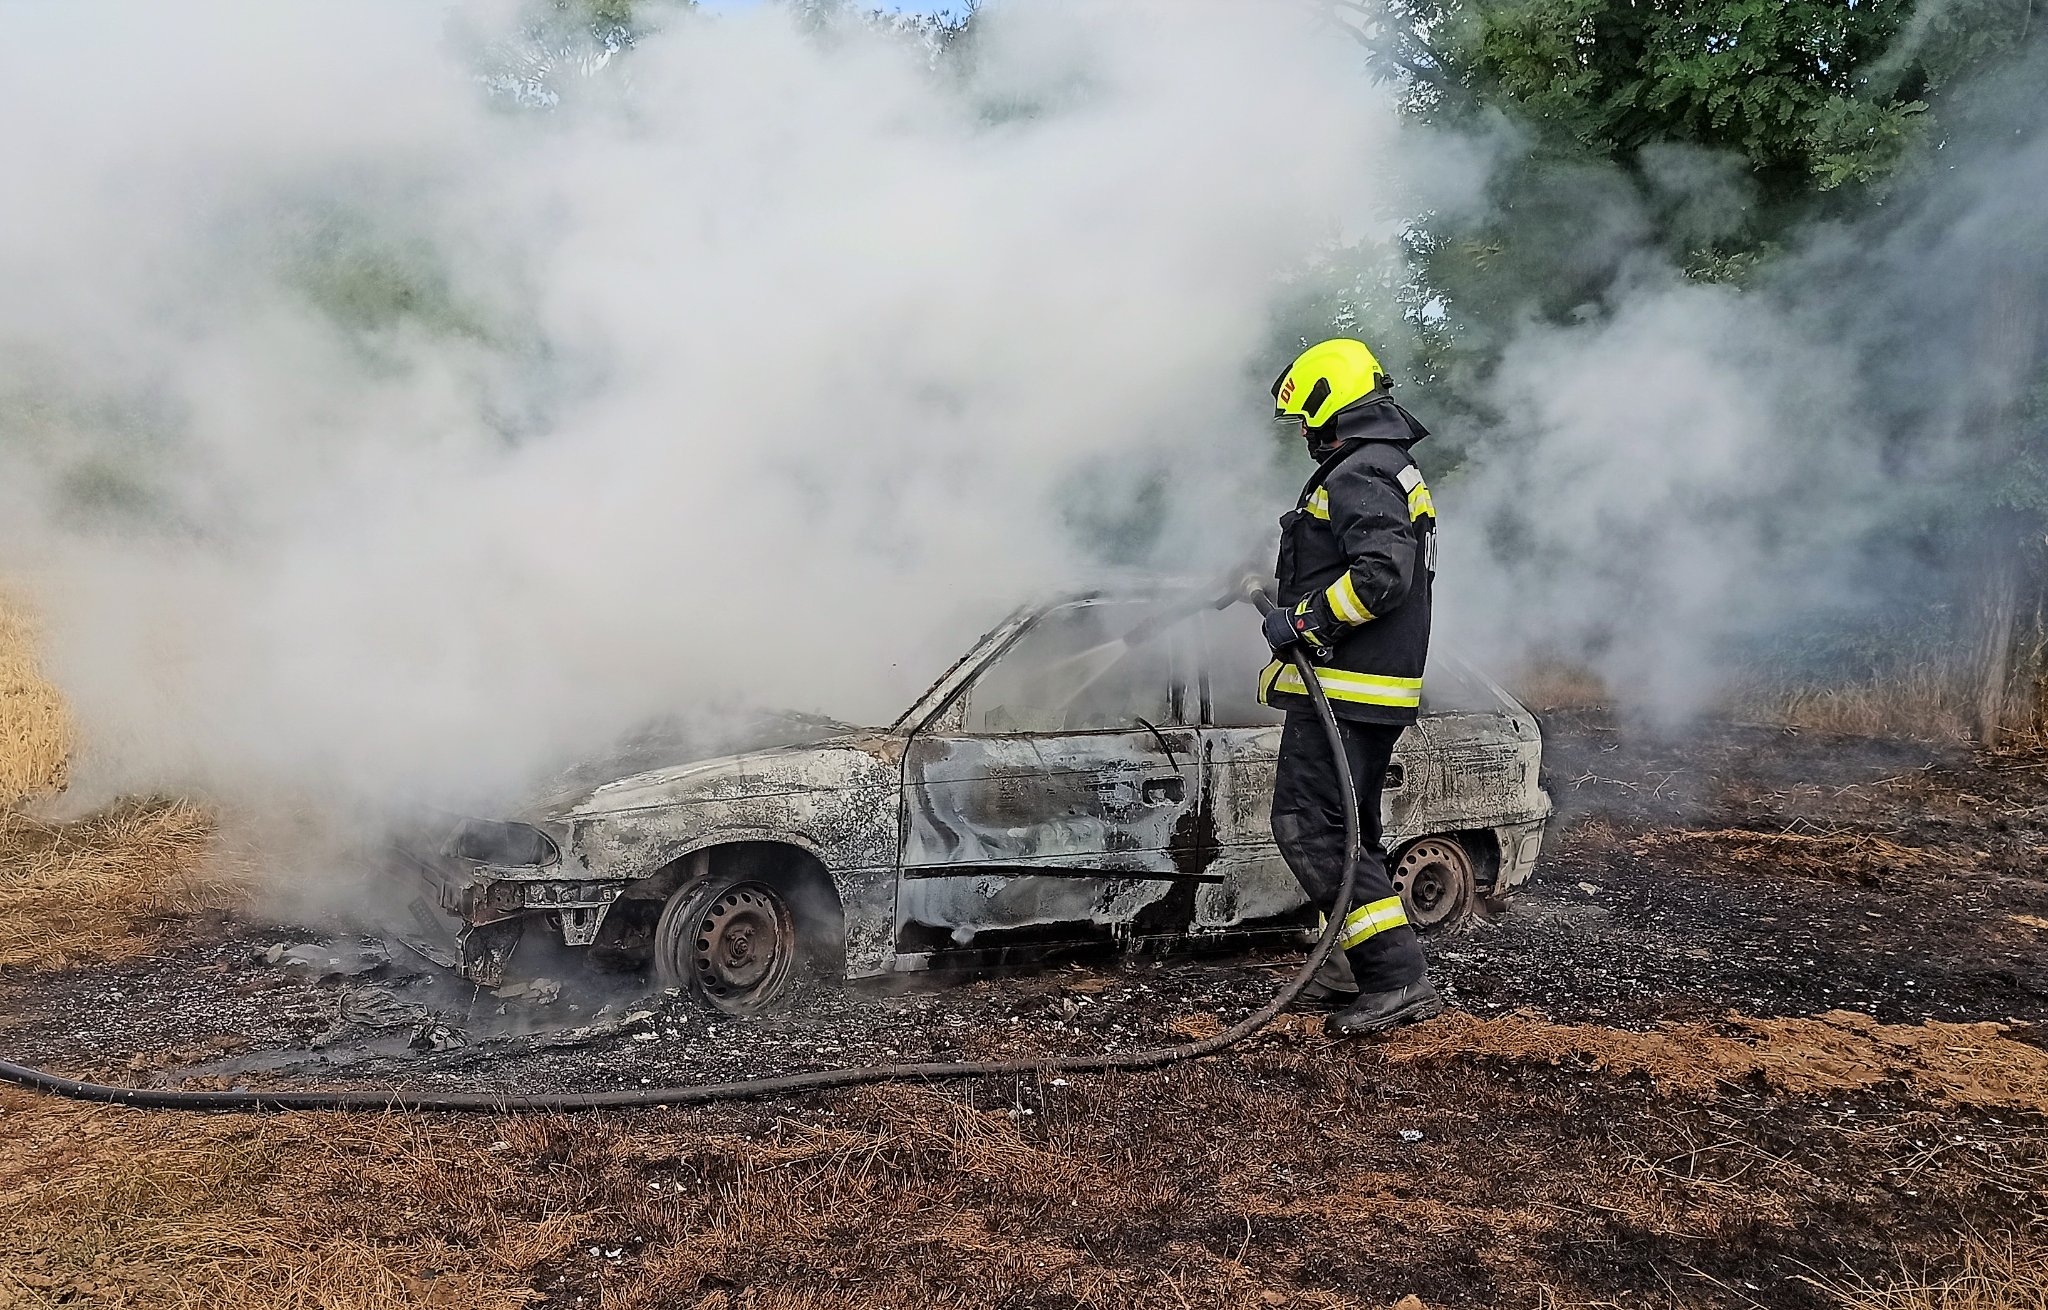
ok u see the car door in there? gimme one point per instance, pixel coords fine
(1062, 797)
(1255, 888)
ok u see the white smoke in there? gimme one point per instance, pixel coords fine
(774, 359)
(1674, 476)
(1697, 471)
(757, 368)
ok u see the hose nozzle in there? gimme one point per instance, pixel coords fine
(1248, 586)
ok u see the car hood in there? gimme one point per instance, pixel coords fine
(670, 742)
(821, 762)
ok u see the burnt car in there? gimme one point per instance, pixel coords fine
(1096, 769)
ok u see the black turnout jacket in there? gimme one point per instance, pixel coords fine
(1360, 547)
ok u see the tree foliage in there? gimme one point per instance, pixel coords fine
(1715, 137)
(1782, 83)
(1701, 134)
(1812, 94)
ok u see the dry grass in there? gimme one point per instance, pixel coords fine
(1986, 1276)
(115, 1208)
(97, 887)
(35, 731)
(1979, 1066)
(1825, 856)
(1558, 685)
(91, 888)
(920, 1199)
(1925, 704)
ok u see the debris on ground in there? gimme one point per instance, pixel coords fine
(533, 991)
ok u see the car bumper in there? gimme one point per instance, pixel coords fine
(472, 915)
(1520, 844)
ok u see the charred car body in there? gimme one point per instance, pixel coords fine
(1064, 783)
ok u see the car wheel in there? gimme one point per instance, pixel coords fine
(731, 941)
(1437, 882)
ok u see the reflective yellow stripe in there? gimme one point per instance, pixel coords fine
(1344, 602)
(1370, 919)
(1419, 502)
(1358, 688)
(1266, 676)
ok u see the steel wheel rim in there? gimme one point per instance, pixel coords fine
(1435, 879)
(744, 945)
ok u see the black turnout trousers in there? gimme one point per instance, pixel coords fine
(1308, 825)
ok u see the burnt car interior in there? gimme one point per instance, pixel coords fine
(1077, 798)
(1099, 777)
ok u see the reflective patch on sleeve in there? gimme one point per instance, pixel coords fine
(1419, 502)
(1318, 504)
(1344, 602)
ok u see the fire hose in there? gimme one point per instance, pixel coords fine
(781, 1084)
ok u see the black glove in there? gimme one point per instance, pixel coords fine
(1296, 627)
(1279, 629)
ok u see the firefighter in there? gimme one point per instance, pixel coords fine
(1357, 555)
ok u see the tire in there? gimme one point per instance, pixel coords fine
(1438, 881)
(732, 942)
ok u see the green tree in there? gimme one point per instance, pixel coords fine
(1716, 126)
(1711, 135)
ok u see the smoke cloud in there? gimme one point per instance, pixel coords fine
(368, 430)
(392, 403)
(1700, 472)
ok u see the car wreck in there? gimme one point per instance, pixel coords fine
(1095, 769)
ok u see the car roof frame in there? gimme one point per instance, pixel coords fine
(939, 697)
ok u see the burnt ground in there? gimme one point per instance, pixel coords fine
(1746, 869)
(1631, 1106)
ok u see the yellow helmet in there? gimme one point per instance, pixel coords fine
(1327, 379)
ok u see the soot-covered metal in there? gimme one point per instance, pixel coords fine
(1064, 782)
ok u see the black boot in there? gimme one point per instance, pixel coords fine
(1375, 1012)
(1333, 987)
